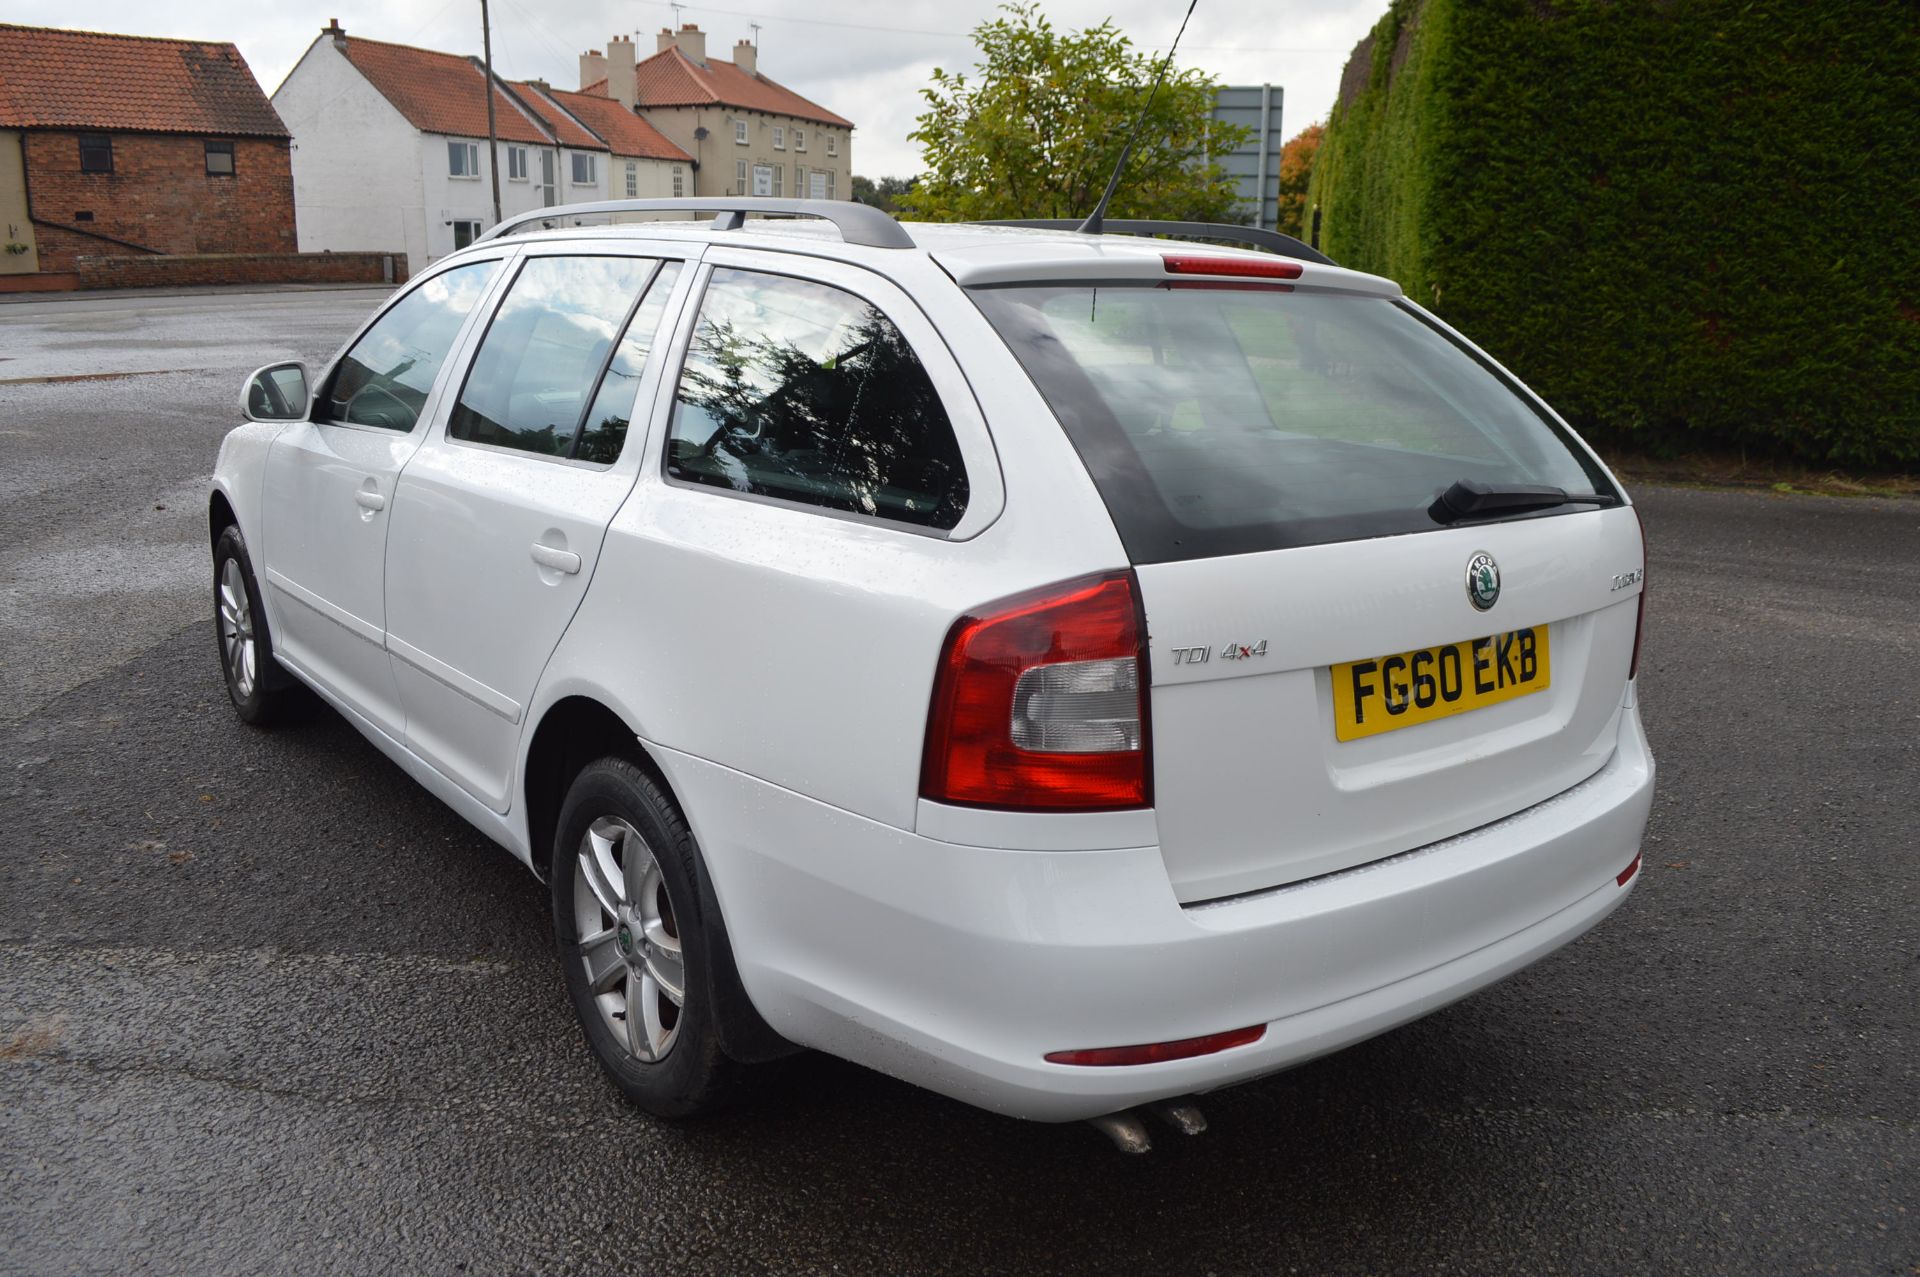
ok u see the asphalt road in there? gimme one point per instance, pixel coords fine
(265, 1006)
(111, 412)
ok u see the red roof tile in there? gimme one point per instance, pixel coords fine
(50, 78)
(439, 92)
(568, 131)
(623, 131)
(671, 78)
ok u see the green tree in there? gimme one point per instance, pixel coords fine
(883, 193)
(1296, 168)
(1038, 128)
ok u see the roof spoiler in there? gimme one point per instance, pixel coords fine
(1215, 232)
(857, 223)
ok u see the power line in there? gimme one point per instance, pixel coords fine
(951, 35)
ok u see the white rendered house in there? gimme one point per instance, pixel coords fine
(390, 149)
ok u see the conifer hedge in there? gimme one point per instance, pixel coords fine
(1687, 223)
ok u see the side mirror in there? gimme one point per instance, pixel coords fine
(277, 392)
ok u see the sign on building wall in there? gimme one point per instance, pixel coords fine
(1255, 166)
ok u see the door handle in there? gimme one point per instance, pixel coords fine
(370, 500)
(559, 560)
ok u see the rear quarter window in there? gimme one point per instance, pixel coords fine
(803, 392)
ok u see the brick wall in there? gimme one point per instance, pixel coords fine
(140, 270)
(159, 196)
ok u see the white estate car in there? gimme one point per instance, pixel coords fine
(1064, 671)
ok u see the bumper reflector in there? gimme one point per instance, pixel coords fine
(1159, 1052)
(1629, 871)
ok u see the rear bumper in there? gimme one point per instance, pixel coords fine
(959, 968)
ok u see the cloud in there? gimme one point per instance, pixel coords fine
(870, 68)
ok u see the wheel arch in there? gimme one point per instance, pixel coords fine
(220, 516)
(572, 732)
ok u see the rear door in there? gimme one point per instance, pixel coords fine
(1341, 669)
(500, 517)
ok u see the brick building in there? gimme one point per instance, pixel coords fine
(127, 145)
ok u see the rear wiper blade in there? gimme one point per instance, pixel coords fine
(1468, 499)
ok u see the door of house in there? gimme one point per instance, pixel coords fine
(546, 179)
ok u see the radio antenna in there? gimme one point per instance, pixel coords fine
(1097, 218)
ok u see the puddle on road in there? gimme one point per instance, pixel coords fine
(96, 376)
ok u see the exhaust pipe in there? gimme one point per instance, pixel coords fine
(1129, 1133)
(1183, 1116)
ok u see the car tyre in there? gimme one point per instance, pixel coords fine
(260, 689)
(634, 950)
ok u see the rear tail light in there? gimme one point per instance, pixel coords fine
(1640, 604)
(1039, 703)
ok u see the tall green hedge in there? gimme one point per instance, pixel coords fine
(1687, 223)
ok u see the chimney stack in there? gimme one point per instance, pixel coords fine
(746, 57)
(664, 40)
(593, 66)
(620, 85)
(338, 32)
(693, 42)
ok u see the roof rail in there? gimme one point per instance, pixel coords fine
(1272, 241)
(858, 223)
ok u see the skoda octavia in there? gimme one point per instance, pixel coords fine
(1065, 671)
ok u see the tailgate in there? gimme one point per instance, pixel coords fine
(1252, 786)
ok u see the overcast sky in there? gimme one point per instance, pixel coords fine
(865, 61)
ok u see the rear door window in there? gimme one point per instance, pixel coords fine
(544, 351)
(1226, 420)
(804, 392)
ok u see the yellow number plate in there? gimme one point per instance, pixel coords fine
(1370, 697)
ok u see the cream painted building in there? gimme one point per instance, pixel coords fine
(747, 134)
(18, 252)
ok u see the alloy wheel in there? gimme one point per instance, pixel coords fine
(236, 629)
(629, 940)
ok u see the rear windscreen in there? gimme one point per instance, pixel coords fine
(1229, 419)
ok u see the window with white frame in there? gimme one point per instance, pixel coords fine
(679, 181)
(830, 185)
(779, 138)
(833, 144)
(778, 171)
(740, 132)
(464, 233)
(582, 169)
(463, 159)
(633, 179)
(740, 177)
(799, 139)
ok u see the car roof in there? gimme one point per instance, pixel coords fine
(972, 253)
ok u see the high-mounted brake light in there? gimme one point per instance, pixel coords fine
(1158, 1052)
(1242, 267)
(1040, 703)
